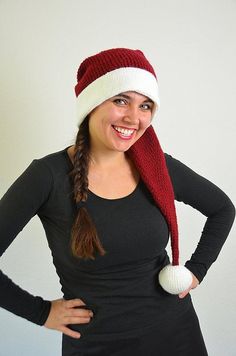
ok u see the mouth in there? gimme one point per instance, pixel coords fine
(124, 132)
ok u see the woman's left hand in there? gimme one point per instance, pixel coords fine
(194, 284)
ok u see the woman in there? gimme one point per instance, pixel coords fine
(107, 207)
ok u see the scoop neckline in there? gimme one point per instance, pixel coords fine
(98, 196)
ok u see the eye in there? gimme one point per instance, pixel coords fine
(147, 106)
(119, 101)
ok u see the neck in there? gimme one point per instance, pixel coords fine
(104, 160)
(108, 159)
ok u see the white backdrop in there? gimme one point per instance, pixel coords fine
(192, 47)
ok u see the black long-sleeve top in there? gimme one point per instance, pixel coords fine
(121, 287)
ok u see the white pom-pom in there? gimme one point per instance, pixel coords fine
(175, 279)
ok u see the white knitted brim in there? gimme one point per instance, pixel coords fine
(116, 82)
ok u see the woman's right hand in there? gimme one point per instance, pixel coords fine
(64, 312)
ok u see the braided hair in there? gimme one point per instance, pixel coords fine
(84, 238)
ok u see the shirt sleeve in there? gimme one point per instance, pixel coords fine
(203, 195)
(24, 199)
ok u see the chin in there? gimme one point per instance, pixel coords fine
(120, 148)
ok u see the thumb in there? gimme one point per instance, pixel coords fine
(183, 294)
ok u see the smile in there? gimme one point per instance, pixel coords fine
(124, 132)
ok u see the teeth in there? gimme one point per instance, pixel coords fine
(125, 132)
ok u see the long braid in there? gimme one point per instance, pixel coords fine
(84, 239)
(81, 161)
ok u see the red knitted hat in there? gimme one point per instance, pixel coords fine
(105, 75)
(149, 159)
(111, 72)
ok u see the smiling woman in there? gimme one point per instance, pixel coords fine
(107, 205)
(118, 123)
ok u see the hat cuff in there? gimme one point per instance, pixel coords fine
(114, 83)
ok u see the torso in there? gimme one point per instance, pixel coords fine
(116, 184)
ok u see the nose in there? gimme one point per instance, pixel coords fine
(132, 115)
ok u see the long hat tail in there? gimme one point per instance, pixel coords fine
(149, 159)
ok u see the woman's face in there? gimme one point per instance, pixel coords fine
(120, 121)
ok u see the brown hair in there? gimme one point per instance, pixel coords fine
(84, 238)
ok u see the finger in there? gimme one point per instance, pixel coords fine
(85, 313)
(183, 294)
(75, 320)
(74, 303)
(70, 332)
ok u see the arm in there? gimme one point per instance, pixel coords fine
(198, 192)
(24, 199)
(20, 203)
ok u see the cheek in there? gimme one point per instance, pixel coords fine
(141, 132)
(145, 123)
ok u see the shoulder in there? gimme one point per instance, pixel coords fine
(168, 157)
(47, 170)
(56, 162)
(181, 175)
(171, 163)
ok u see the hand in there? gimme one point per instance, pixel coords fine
(64, 312)
(194, 284)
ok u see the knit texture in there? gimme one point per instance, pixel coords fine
(99, 64)
(149, 159)
(109, 73)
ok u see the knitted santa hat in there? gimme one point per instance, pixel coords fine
(105, 75)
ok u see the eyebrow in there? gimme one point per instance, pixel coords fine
(128, 97)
